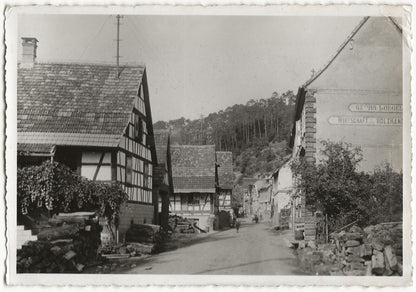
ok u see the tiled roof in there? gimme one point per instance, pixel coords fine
(193, 168)
(26, 149)
(161, 141)
(194, 184)
(86, 101)
(248, 181)
(225, 169)
(68, 139)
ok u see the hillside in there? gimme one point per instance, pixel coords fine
(257, 133)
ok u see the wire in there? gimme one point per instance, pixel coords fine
(93, 39)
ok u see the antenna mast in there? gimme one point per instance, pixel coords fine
(118, 44)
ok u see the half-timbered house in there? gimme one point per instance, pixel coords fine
(94, 118)
(225, 179)
(195, 183)
(162, 177)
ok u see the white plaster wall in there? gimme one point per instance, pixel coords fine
(368, 70)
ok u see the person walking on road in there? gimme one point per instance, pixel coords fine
(237, 224)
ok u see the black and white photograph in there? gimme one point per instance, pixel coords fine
(209, 143)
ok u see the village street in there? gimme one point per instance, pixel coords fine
(255, 250)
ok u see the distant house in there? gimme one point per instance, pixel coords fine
(195, 183)
(94, 118)
(355, 98)
(162, 176)
(283, 193)
(225, 179)
(247, 192)
(225, 188)
(261, 202)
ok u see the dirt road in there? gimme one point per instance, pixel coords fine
(254, 250)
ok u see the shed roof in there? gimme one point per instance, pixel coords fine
(225, 169)
(193, 168)
(40, 149)
(75, 104)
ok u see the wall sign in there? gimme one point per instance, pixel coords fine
(376, 108)
(362, 120)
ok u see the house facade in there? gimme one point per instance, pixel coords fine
(224, 162)
(261, 199)
(195, 184)
(355, 98)
(162, 177)
(225, 179)
(247, 192)
(94, 118)
(265, 206)
(283, 193)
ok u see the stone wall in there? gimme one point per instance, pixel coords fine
(375, 250)
(133, 212)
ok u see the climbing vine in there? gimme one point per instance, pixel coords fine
(54, 188)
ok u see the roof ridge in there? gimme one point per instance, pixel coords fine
(78, 63)
(52, 108)
(339, 50)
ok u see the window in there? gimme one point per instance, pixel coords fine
(138, 128)
(141, 92)
(129, 169)
(192, 200)
(146, 175)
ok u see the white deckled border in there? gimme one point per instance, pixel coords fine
(142, 280)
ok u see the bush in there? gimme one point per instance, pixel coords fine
(344, 194)
(386, 194)
(54, 188)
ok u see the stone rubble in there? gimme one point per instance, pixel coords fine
(374, 250)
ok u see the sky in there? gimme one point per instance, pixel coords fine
(196, 64)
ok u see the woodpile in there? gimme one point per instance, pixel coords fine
(183, 225)
(69, 243)
(374, 250)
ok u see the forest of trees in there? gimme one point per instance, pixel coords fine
(256, 133)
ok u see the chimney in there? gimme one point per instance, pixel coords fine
(29, 46)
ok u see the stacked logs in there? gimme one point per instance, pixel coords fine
(66, 245)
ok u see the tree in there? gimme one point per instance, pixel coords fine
(335, 187)
(386, 195)
(244, 129)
